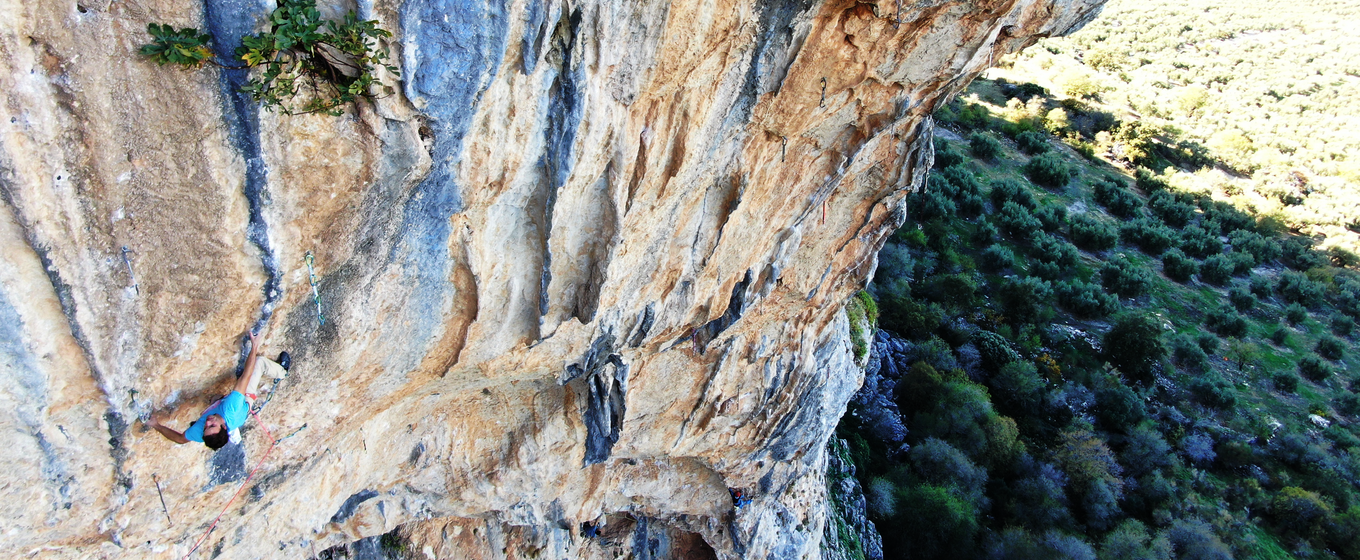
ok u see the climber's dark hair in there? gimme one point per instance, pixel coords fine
(218, 440)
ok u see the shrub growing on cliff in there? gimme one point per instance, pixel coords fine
(1214, 392)
(904, 315)
(1093, 234)
(1314, 369)
(1329, 347)
(1188, 354)
(861, 309)
(1017, 222)
(185, 47)
(1120, 276)
(984, 146)
(1134, 345)
(994, 349)
(1216, 270)
(1085, 300)
(329, 63)
(1112, 194)
(1296, 287)
(1177, 266)
(1049, 170)
(996, 258)
(1295, 313)
(945, 155)
(1226, 322)
(1171, 208)
(1050, 249)
(1032, 142)
(1009, 190)
(1052, 217)
(1024, 299)
(1199, 243)
(1342, 325)
(1148, 234)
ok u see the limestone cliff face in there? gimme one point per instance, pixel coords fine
(588, 264)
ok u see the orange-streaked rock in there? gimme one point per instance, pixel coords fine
(574, 219)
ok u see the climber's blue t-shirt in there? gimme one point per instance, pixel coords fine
(232, 408)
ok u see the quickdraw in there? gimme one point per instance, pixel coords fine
(273, 388)
(316, 293)
(128, 262)
(164, 507)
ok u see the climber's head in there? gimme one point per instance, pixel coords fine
(215, 432)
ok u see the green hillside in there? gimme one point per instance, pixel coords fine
(1094, 362)
(1255, 102)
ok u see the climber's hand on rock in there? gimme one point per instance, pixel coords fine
(170, 434)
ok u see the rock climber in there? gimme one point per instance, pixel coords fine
(739, 497)
(590, 530)
(218, 425)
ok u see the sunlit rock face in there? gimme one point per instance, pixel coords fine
(588, 263)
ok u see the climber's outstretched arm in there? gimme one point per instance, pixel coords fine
(169, 433)
(243, 382)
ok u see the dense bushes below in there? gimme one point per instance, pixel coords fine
(1015, 406)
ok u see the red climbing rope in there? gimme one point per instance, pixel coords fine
(249, 475)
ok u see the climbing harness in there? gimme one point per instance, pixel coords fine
(273, 388)
(316, 294)
(272, 442)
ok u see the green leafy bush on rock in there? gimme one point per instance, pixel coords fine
(305, 64)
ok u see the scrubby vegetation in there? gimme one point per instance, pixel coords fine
(305, 64)
(1251, 101)
(1119, 368)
